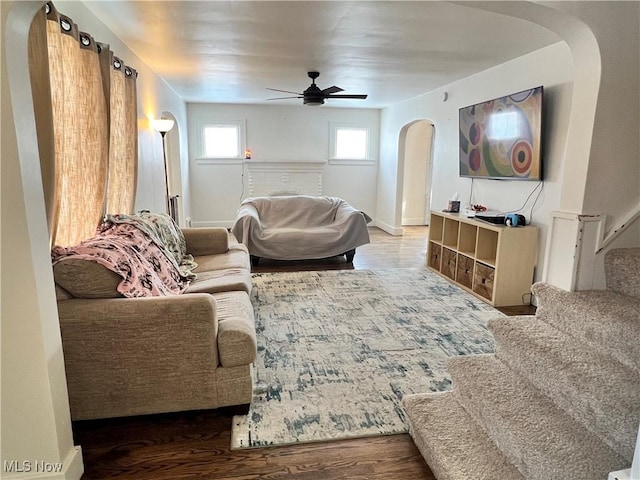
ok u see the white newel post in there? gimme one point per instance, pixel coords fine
(635, 466)
(634, 472)
(571, 262)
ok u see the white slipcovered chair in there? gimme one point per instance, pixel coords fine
(300, 227)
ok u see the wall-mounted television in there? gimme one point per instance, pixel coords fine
(502, 138)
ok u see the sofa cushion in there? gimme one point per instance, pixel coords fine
(61, 293)
(225, 280)
(237, 343)
(86, 279)
(206, 241)
(236, 257)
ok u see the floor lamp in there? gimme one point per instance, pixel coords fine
(163, 125)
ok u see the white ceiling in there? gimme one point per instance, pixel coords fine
(230, 51)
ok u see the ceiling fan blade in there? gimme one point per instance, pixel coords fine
(282, 98)
(283, 91)
(330, 90)
(362, 97)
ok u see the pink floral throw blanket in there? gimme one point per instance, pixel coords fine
(144, 267)
(162, 230)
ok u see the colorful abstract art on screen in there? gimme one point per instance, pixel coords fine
(501, 138)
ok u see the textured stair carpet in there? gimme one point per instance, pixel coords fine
(338, 350)
(452, 443)
(559, 398)
(595, 390)
(541, 440)
(605, 320)
(622, 268)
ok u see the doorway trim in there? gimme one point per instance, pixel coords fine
(402, 165)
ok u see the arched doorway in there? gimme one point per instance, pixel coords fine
(415, 153)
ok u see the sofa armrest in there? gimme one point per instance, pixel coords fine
(133, 356)
(206, 241)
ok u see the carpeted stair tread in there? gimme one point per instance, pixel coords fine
(622, 269)
(599, 392)
(453, 445)
(541, 440)
(606, 320)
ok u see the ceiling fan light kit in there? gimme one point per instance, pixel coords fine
(313, 96)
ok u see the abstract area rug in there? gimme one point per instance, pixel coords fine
(337, 351)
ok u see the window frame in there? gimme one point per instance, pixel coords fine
(242, 142)
(369, 158)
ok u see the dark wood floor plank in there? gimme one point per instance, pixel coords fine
(196, 445)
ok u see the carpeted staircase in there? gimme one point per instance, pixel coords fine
(560, 398)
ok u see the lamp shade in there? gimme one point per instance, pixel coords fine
(162, 125)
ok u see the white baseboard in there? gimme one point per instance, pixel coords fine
(413, 221)
(70, 469)
(390, 229)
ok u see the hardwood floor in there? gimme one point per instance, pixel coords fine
(194, 445)
(384, 251)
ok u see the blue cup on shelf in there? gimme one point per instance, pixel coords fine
(514, 220)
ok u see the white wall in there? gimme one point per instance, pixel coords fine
(35, 420)
(611, 189)
(601, 173)
(550, 67)
(613, 181)
(278, 134)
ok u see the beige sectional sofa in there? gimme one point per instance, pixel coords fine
(133, 356)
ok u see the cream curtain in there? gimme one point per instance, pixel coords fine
(123, 146)
(94, 130)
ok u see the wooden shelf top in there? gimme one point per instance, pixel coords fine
(477, 222)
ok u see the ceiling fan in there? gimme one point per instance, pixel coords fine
(313, 95)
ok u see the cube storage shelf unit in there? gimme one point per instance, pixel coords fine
(493, 262)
